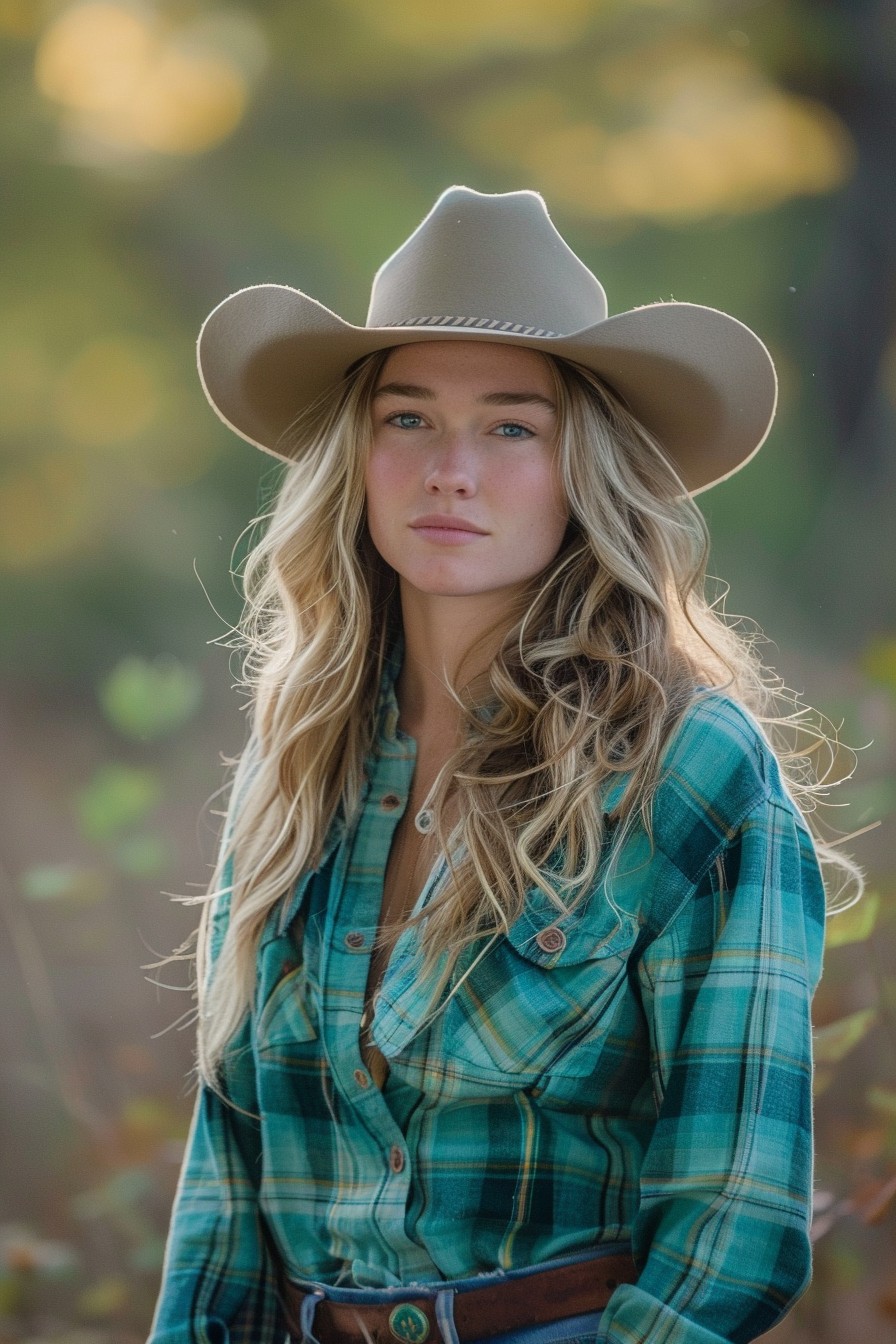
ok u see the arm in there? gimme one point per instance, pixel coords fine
(217, 1282)
(726, 1183)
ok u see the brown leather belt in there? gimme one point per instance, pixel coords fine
(496, 1307)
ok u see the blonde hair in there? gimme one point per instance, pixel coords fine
(599, 662)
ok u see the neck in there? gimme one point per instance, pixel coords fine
(447, 640)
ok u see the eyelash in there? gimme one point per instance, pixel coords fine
(509, 424)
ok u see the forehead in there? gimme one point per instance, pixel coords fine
(477, 363)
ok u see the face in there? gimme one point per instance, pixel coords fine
(462, 494)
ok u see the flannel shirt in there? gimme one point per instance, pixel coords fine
(647, 1078)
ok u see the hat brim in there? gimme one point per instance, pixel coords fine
(698, 379)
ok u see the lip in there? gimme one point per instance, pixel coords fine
(446, 528)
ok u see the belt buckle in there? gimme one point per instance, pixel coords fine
(408, 1323)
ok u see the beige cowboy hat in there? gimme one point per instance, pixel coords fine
(494, 268)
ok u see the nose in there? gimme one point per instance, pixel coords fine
(451, 469)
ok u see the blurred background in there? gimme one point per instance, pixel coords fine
(157, 156)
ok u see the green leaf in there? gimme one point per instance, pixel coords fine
(117, 796)
(144, 855)
(145, 700)
(854, 924)
(835, 1040)
(68, 883)
(882, 1099)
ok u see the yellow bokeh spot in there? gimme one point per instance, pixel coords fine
(126, 79)
(464, 26)
(107, 394)
(93, 55)
(44, 511)
(690, 130)
(763, 151)
(188, 102)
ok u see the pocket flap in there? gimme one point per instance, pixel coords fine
(286, 1019)
(595, 928)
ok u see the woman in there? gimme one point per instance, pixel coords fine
(505, 973)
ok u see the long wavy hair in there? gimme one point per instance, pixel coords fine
(601, 656)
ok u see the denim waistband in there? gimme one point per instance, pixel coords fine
(432, 1288)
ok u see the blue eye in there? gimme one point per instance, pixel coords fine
(516, 431)
(402, 417)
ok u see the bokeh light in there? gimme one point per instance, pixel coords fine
(462, 27)
(106, 394)
(126, 78)
(689, 129)
(45, 509)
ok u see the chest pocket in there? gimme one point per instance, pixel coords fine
(287, 1016)
(286, 1020)
(533, 1004)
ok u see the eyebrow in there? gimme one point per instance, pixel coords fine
(490, 398)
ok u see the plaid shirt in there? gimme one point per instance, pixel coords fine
(646, 1076)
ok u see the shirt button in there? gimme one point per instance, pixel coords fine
(389, 802)
(396, 1158)
(361, 1078)
(551, 939)
(354, 940)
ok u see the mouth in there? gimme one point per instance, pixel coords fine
(446, 528)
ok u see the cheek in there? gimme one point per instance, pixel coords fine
(541, 506)
(383, 488)
(376, 482)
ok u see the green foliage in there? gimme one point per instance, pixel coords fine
(147, 854)
(854, 924)
(883, 1099)
(834, 1041)
(118, 796)
(67, 883)
(146, 700)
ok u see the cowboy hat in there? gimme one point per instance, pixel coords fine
(494, 268)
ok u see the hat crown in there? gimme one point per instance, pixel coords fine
(487, 260)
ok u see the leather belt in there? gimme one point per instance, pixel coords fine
(499, 1305)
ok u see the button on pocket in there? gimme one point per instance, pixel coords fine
(551, 939)
(532, 1006)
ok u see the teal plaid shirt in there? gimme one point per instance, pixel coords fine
(648, 1078)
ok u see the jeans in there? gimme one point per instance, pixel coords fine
(571, 1330)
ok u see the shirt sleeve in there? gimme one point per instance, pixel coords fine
(218, 1286)
(721, 1233)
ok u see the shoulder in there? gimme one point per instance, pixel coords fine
(718, 778)
(717, 769)
(718, 753)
